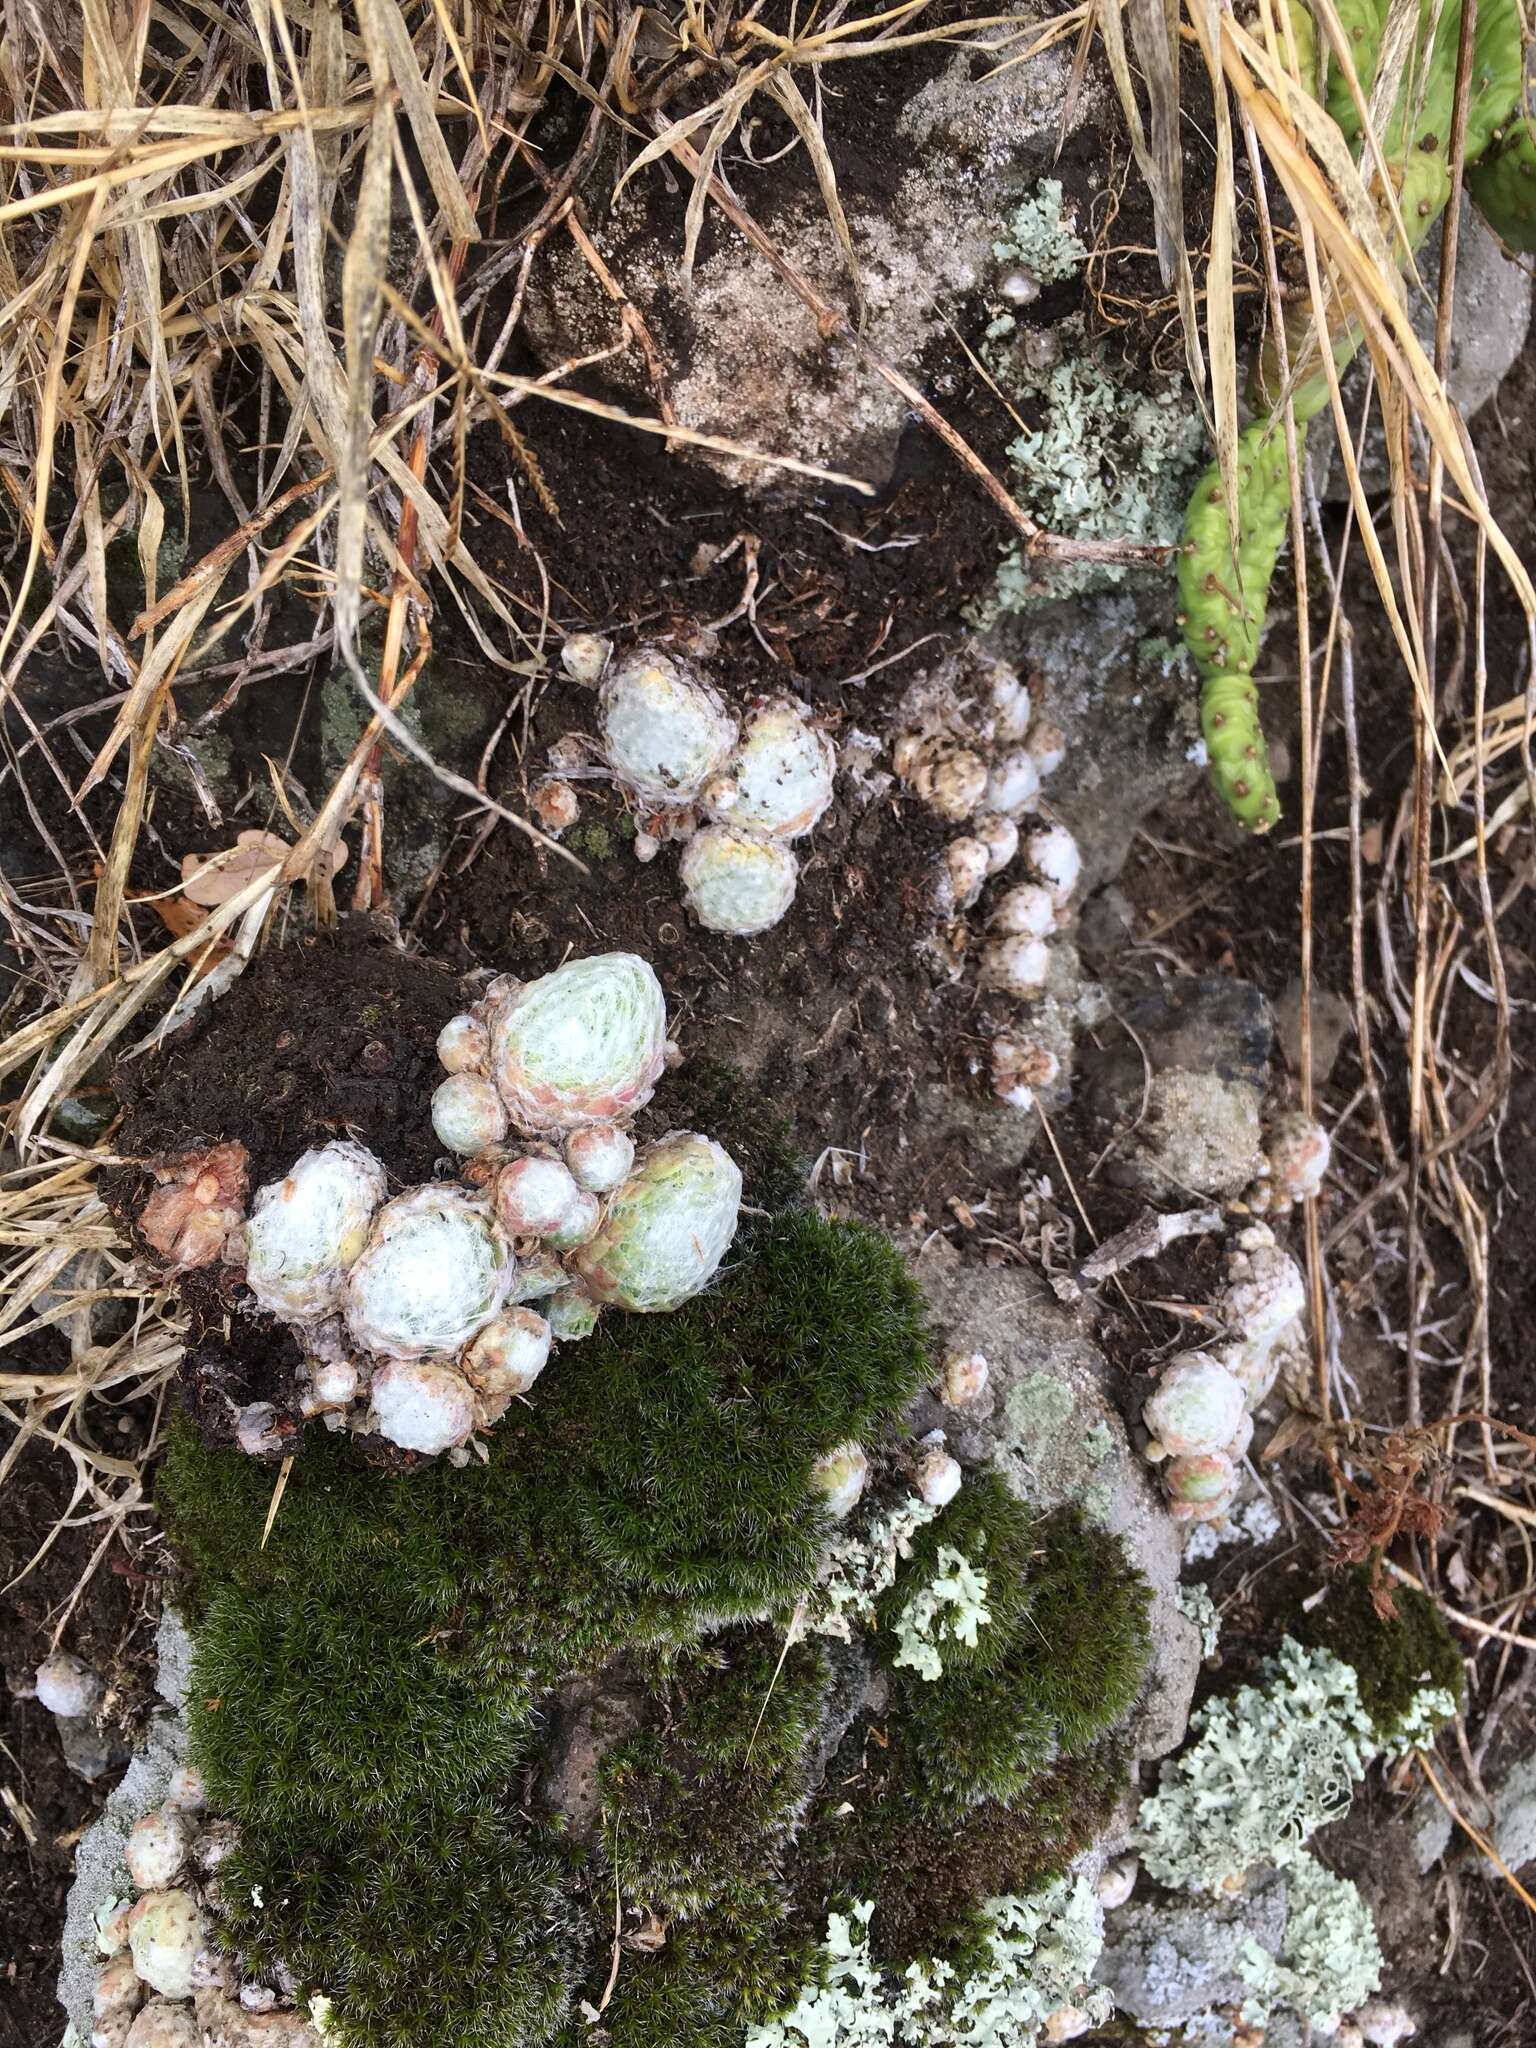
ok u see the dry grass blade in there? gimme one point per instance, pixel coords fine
(1157, 144)
(1221, 317)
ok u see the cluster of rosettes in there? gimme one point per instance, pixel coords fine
(166, 1982)
(414, 1312)
(738, 792)
(1200, 1418)
(981, 761)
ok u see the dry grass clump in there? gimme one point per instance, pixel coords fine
(280, 254)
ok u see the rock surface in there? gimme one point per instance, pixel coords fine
(1491, 320)
(1168, 1962)
(101, 1873)
(1182, 1085)
(590, 1716)
(748, 361)
(1047, 1421)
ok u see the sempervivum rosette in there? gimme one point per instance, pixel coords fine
(306, 1230)
(434, 1272)
(584, 1045)
(667, 1228)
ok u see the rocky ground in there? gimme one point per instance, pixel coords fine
(1173, 999)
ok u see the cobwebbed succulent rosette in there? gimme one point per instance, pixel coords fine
(737, 883)
(733, 791)
(584, 1045)
(780, 781)
(306, 1230)
(667, 1228)
(1199, 1419)
(665, 730)
(433, 1273)
(413, 1310)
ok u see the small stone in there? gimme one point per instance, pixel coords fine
(68, 1685)
(555, 806)
(937, 1476)
(1117, 1881)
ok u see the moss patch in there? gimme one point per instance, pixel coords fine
(1059, 1664)
(366, 1688)
(452, 1926)
(987, 1780)
(697, 1820)
(1394, 1661)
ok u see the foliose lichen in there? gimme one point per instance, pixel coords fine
(1105, 460)
(1024, 1959)
(1269, 1765)
(951, 1607)
(1329, 1959)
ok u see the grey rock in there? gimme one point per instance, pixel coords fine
(88, 1749)
(590, 1716)
(1432, 1832)
(1166, 1963)
(1183, 1084)
(1332, 1023)
(1200, 1136)
(1512, 1828)
(754, 364)
(1107, 925)
(100, 1871)
(1514, 1820)
(1126, 704)
(1048, 1423)
(1492, 317)
(1207, 1024)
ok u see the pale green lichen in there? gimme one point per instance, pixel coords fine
(1040, 238)
(1329, 1958)
(1036, 1954)
(1039, 1405)
(1270, 1764)
(1098, 1443)
(861, 1567)
(1196, 1605)
(1062, 1459)
(1107, 462)
(1427, 1714)
(951, 1607)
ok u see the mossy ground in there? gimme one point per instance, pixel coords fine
(372, 1687)
(1059, 1663)
(990, 1778)
(374, 1673)
(698, 1815)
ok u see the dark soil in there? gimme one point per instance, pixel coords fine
(351, 1055)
